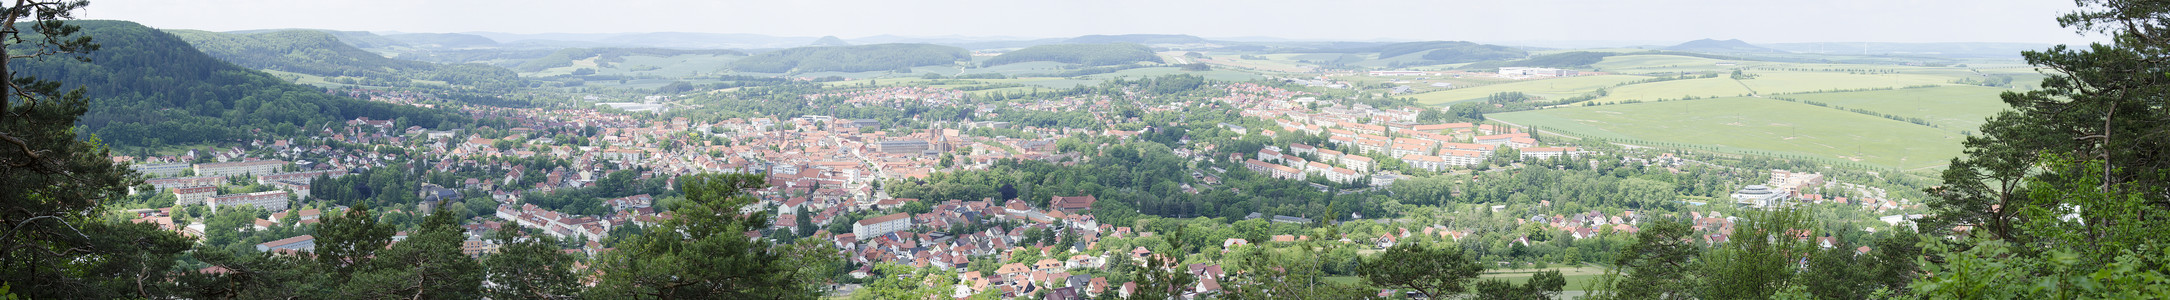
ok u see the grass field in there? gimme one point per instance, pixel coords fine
(1954, 108)
(1653, 63)
(1756, 125)
(1675, 89)
(1548, 88)
(1770, 82)
(671, 66)
(1574, 282)
(1270, 64)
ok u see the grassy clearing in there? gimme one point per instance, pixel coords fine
(1756, 125)
(1548, 88)
(1954, 108)
(1574, 282)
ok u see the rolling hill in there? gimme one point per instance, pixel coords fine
(829, 41)
(605, 56)
(323, 54)
(860, 58)
(1136, 39)
(148, 87)
(443, 40)
(1083, 54)
(1717, 46)
(364, 39)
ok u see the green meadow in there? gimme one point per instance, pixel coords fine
(1756, 126)
(1952, 108)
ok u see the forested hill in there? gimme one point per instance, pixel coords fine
(860, 58)
(323, 54)
(606, 56)
(148, 87)
(1452, 52)
(1084, 54)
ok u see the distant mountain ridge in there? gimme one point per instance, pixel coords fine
(1986, 50)
(1091, 54)
(829, 41)
(1136, 39)
(1724, 46)
(862, 58)
(606, 56)
(444, 40)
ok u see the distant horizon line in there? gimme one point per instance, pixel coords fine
(1248, 38)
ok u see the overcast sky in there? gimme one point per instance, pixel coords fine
(1756, 21)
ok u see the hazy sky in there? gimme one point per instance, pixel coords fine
(1757, 21)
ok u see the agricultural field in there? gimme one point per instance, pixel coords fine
(671, 66)
(1270, 64)
(1657, 63)
(1033, 67)
(1774, 82)
(1952, 108)
(1224, 75)
(1675, 89)
(1548, 88)
(1754, 125)
(1046, 82)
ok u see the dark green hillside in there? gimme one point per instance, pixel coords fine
(851, 58)
(319, 53)
(607, 56)
(147, 87)
(1452, 52)
(444, 40)
(1084, 54)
